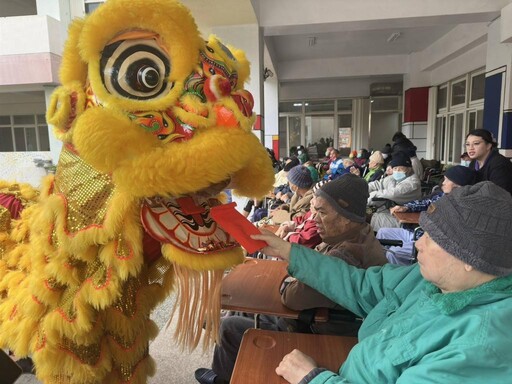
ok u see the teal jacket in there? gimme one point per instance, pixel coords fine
(413, 333)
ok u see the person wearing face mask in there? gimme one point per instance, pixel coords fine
(465, 160)
(402, 186)
(302, 154)
(386, 154)
(488, 163)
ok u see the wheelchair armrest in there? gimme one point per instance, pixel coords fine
(390, 242)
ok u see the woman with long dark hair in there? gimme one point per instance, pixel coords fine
(487, 161)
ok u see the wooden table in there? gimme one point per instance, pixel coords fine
(261, 352)
(253, 287)
(407, 217)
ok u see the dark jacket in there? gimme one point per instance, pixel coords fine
(497, 168)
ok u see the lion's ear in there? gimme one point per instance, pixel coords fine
(67, 103)
(73, 68)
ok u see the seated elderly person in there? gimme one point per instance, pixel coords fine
(456, 176)
(340, 217)
(303, 229)
(400, 187)
(445, 319)
(374, 170)
(301, 183)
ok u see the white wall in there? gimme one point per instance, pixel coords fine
(383, 126)
(271, 109)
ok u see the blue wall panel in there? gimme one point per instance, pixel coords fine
(506, 134)
(492, 103)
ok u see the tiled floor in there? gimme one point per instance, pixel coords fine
(173, 366)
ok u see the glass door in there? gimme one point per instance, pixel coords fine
(454, 137)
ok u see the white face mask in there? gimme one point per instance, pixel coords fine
(327, 153)
(465, 163)
(299, 152)
(385, 156)
(399, 176)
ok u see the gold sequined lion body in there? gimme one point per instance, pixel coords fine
(155, 124)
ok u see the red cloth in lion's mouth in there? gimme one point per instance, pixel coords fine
(185, 223)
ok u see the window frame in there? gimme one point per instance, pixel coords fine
(36, 125)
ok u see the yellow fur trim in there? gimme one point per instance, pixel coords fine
(104, 138)
(217, 260)
(244, 67)
(238, 150)
(73, 68)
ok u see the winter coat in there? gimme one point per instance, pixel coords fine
(497, 168)
(413, 333)
(399, 192)
(306, 231)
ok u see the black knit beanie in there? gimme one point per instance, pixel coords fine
(292, 163)
(461, 175)
(348, 194)
(474, 223)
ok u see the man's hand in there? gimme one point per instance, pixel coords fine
(276, 247)
(295, 366)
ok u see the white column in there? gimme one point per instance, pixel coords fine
(360, 124)
(58, 9)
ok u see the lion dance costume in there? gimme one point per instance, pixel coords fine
(155, 124)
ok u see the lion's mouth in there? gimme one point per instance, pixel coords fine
(185, 222)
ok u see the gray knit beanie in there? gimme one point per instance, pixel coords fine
(474, 224)
(300, 176)
(348, 194)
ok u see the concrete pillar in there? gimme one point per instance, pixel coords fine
(58, 9)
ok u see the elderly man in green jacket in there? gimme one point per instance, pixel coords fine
(444, 320)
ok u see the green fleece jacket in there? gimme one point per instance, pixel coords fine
(413, 333)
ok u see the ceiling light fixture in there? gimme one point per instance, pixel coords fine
(394, 36)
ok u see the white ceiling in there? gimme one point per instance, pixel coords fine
(356, 43)
(345, 29)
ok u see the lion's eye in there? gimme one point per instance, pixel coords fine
(135, 69)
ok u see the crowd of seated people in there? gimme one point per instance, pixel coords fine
(389, 172)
